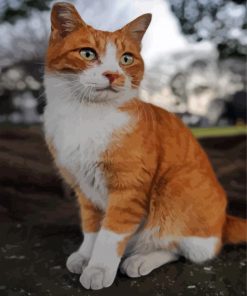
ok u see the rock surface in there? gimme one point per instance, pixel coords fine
(39, 227)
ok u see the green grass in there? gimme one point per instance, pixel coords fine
(219, 131)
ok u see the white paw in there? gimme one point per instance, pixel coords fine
(96, 277)
(136, 266)
(76, 263)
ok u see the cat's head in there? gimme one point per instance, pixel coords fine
(95, 65)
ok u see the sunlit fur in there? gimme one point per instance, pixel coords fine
(146, 189)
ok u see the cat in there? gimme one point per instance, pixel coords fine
(146, 189)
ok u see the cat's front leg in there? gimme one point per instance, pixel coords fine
(78, 260)
(124, 214)
(91, 218)
(102, 267)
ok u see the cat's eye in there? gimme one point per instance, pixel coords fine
(88, 54)
(127, 59)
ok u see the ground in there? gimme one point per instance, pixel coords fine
(39, 227)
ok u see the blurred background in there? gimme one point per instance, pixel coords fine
(195, 55)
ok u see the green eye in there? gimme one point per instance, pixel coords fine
(127, 59)
(88, 54)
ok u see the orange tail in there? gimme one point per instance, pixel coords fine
(235, 230)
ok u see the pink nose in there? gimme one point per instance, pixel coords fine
(111, 76)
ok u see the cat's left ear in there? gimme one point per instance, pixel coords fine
(137, 28)
(64, 20)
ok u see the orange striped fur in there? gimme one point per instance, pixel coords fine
(163, 198)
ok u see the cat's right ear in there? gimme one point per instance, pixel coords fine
(64, 20)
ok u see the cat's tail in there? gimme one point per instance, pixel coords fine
(235, 230)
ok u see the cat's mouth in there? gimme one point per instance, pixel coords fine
(107, 88)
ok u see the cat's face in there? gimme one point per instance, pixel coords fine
(96, 65)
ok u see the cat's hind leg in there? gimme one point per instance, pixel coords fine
(200, 249)
(142, 264)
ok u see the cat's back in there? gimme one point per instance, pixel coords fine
(173, 139)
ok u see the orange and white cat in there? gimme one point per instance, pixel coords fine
(146, 189)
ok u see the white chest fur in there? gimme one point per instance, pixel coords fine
(80, 134)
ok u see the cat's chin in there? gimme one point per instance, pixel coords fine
(104, 96)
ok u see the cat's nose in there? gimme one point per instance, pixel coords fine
(111, 76)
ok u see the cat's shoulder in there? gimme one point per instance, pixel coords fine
(149, 112)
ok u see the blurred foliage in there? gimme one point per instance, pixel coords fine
(11, 10)
(223, 21)
(193, 83)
